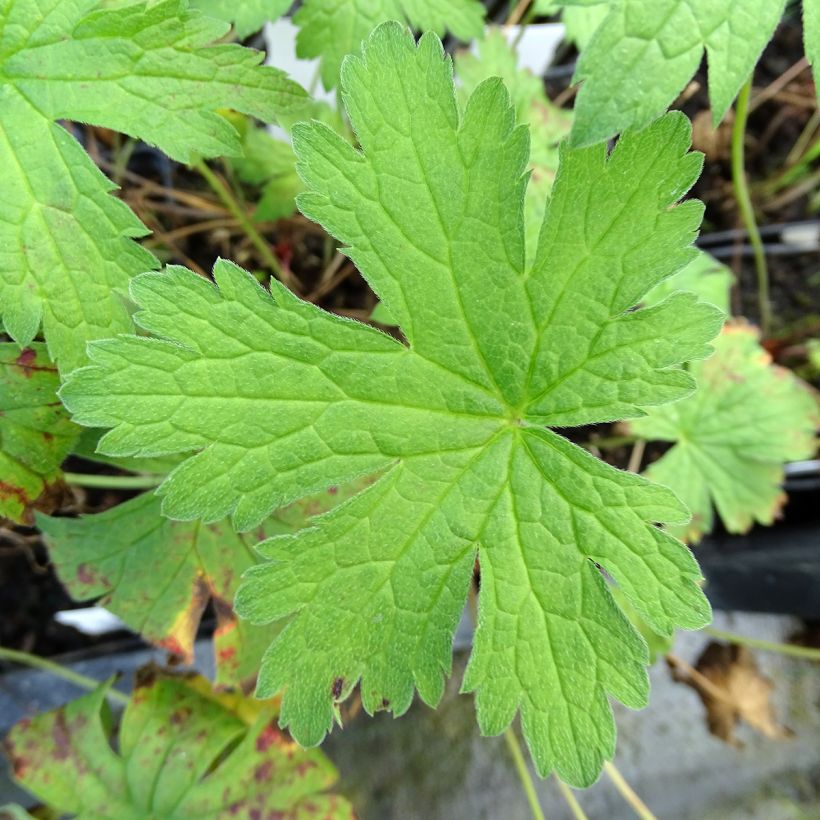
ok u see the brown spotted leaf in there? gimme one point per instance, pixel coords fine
(732, 689)
(35, 432)
(158, 575)
(181, 754)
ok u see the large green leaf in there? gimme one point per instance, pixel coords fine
(158, 575)
(35, 432)
(146, 69)
(279, 398)
(732, 437)
(645, 51)
(181, 753)
(332, 29)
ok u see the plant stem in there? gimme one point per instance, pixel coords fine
(807, 652)
(523, 772)
(114, 482)
(572, 802)
(238, 212)
(744, 203)
(517, 13)
(638, 806)
(69, 675)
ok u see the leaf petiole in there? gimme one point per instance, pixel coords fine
(83, 681)
(807, 652)
(114, 482)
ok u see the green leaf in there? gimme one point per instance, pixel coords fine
(180, 753)
(278, 398)
(582, 21)
(143, 69)
(270, 164)
(733, 436)
(704, 276)
(158, 575)
(35, 432)
(246, 16)
(645, 51)
(548, 124)
(332, 29)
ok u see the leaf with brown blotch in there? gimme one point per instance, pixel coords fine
(181, 752)
(159, 575)
(36, 433)
(732, 689)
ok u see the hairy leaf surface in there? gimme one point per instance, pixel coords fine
(36, 433)
(732, 436)
(332, 29)
(645, 51)
(66, 249)
(279, 398)
(158, 575)
(182, 752)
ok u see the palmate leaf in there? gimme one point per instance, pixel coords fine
(733, 436)
(332, 29)
(36, 433)
(146, 69)
(281, 399)
(182, 752)
(158, 575)
(645, 51)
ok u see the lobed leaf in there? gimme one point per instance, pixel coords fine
(141, 68)
(275, 398)
(181, 753)
(158, 575)
(645, 51)
(732, 437)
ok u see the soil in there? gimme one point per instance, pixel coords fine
(169, 197)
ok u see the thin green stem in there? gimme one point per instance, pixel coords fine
(114, 482)
(55, 669)
(574, 806)
(627, 792)
(228, 199)
(807, 652)
(523, 772)
(744, 203)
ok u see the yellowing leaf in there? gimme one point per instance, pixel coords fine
(180, 754)
(35, 432)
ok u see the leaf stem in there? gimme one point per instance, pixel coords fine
(574, 806)
(523, 772)
(744, 203)
(82, 681)
(114, 482)
(517, 13)
(627, 792)
(807, 652)
(238, 212)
